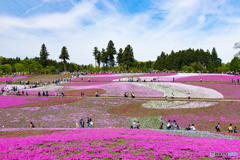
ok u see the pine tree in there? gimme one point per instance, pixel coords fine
(120, 57)
(111, 51)
(95, 52)
(128, 56)
(43, 55)
(64, 56)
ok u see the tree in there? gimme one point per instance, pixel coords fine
(235, 64)
(128, 56)
(95, 52)
(120, 57)
(43, 55)
(64, 56)
(98, 58)
(31, 65)
(215, 60)
(6, 68)
(19, 67)
(111, 51)
(104, 58)
(187, 68)
(237, 45)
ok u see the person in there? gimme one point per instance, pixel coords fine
(133, 96)
(97, 95)
(88, 122)
(88, 79)
(166, 98)
(77, 126)
(188, 128)
(47, 93)
(173, 125)
(138, 125)
(22, 92)
(168, 125)
(26, 93)
(189, 95)
(238, 80)
(235, 129)
(218, 127)
(91, 123)
(230, 128)
(62, 94)
(39, 94)
(134, 124)
(172, 96)
(173, 79)
(178, 127)
(200, 79)
(131, 127)
(161, 124)
(232, 80)
(31, 125)
(193, 128)
(82, 123)
(81, 93)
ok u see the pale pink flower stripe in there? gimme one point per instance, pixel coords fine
(94, 144)
(156, 74)
(11, 78)
(2, 85)
(209, 77)
(119, 88)
(84, 83)
(229, 91)
(109, 78)
(6, 101)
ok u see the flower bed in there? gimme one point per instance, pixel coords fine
(64, 113)
(12, 78)
(97, 78)
(114, 144)
(206, 119)
(119, 88)
(31, 92)
(210, 77)
(15, 101)
(229, 91)
(177, 104)
(181, 90)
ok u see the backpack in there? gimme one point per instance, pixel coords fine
(216, 127)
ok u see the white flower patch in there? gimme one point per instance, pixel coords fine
(163, 104)
(181, 90)
(177, 104)
(48, 88)
(167, 91)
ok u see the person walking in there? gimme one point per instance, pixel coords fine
(172, 96)
(82, 123)
(77, 126)
(138, 125)
(88, 122)
(218, 127)
(62, 94)
(47, 93)
(200, 79)
(134, 124)
(230, 128)
(235, 129)
(26, 93)
(91, 123)
(39, 94)
(161, 124)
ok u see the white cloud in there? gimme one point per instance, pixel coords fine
(183, 25)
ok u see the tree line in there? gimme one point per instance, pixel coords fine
(109, 59)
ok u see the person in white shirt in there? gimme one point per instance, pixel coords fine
(189, 95)
(133, 96)
(172, 95)
(91, 123)
(193, 128)
(134, 124)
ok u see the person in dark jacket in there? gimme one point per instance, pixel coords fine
(82, 123)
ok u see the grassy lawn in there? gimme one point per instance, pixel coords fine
(26, 133)
(46, 77)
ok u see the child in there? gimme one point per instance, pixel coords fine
(235, 129)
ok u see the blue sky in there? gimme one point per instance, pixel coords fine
(150, 26)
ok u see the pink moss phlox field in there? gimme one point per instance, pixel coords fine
(15, 101)
(114, 144)
(85, 79)
(209, 77)
(214, 115)
(85, 83)
(11, 78)
(229, 91)
(157, 74)
(119, 88)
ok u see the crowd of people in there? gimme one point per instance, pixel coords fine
(82, 123)
(230, 128)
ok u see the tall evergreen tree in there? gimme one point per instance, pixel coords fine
(43, 55)
(120, 57)
(95, 52)
(128, 56)
(64, 56)
(104, 58)
(98, 58)
(111, 51)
